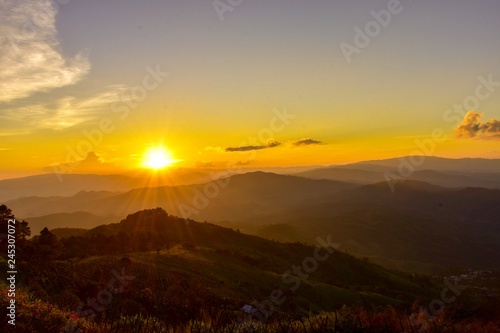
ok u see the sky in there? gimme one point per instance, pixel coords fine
(249, 83)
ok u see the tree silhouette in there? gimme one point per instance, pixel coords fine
(48, 245)
(47, 238)
(6, 213)
(22, 230)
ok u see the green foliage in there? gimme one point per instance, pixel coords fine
(203, 276)
(35, 315)
(22, 229)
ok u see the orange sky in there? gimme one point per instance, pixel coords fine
(266, 85)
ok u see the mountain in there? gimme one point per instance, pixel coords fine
(418, 225)
(83, 220)
(68, 232)
(441, 178)
(70, 184)
(230, 198)
(28, 207)
(438, 171)
(153, 271)
(223, 266)
(431, 221)
(468, 165)
(338, 173)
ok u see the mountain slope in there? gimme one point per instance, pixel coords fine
(83, 220)
(225, 199)
(418, 223)
(69, 184)
(432, 163)
(211, 265)
(376, 173)
(27, 207)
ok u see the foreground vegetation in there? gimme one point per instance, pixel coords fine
(35, 315)
(158, 273)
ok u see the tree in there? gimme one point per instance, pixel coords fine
(5, 213)
(22, 230)
(48, 245)
(47, 238)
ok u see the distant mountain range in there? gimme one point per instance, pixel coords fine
(446, 213)
(419, 227)
(439, 171)
(70, 184)
(469, 165)
(233, 198)
(186, 266)
(63, 220)
(435, 170)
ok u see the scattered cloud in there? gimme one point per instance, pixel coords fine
(241, 163)
(471, 126)
(217, 149)
(5, 131)
(30, 59)
(92, 163)
(204, 164)
(62, 112)
(306, 142)
(31, 62)
(271, 143)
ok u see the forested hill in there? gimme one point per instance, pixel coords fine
(180, 271)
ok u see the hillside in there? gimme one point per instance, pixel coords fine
(419, 227)
(469, 165)
(157, 272)
(68, 184)
(62, 220)
(50, 185)
(195, 266)
(447, 179)
(445, 175)
(231, 198)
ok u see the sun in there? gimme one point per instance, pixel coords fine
(157, 158)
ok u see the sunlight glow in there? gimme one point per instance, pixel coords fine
(157, 158)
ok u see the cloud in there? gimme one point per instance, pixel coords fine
(271, 143)
(214, 149)
(60, 113)
(92, 163)
(241, 163)
(306, 142)
(471, 126)
(205, 164)
(30, 57)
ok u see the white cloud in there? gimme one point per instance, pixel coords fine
(63, 112)
(30, 57)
